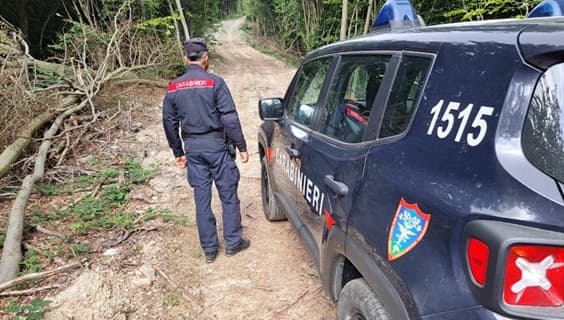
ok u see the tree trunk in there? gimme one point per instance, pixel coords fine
(176, 27)
(344, 15)
(12, 251)
(13, 151)
(368, 15)
(183, 20)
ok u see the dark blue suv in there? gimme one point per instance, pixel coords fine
(424, 170)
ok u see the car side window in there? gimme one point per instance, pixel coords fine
(306, 94)
(352, 95)
(543, 134)
(406, 90)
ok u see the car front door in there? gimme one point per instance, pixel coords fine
(298, 195)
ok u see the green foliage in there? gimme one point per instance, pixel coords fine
(81, 37)
(490, 9)
(137, 174)
(80, 250)
(171, 301)
(302, 26)
(159, 25)
(446, 11)
(31, 262)
(167, 216)
(34, 310)
(102, 206)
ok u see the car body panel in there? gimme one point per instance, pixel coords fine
(460, 160)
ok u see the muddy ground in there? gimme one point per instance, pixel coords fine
(161, 274)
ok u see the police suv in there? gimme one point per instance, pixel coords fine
(423, 167)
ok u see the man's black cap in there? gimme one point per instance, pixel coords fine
(194, 48)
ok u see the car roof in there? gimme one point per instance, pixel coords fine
(431, 38)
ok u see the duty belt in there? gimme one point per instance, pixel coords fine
(212, 134)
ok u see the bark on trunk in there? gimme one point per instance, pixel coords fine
(176, 27)
(14, 150)
(183, 20)
(344, 16)
(368, 15)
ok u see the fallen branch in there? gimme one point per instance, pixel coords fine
(12, 252)
(14, 150)
(49, 232)
(28, 291)
(130, 82)
(38, 275)
(128, 234)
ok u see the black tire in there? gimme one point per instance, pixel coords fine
(272, 211)
(357, 301)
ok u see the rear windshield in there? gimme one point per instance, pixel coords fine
(543, 135)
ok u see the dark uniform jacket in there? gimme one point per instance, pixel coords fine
(200, 104)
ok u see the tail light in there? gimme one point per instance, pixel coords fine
(516, 270)
(478, 255)
(534, 276)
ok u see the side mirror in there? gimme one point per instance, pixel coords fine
(271, 109)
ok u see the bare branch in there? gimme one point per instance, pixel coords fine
(38, 275)
(29, 291)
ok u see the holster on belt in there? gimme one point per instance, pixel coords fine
(231, 147)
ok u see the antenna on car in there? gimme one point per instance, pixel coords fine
(548, 8)
(396, 14)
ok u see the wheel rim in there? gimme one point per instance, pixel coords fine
(357, 316)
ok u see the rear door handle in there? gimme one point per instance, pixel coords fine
(292, 152)
(338, 187)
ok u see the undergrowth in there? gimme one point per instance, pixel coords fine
(79, 209)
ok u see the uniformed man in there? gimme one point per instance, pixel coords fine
(200, 104)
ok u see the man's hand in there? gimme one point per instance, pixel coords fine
(181, 162)
(244, 156)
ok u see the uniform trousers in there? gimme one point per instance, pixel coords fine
(219, 167)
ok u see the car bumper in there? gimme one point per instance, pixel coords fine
(472, 313)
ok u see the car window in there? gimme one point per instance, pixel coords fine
(404, 96)
(543, 134)
(351, 96)
(306, 93)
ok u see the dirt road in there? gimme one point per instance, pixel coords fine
(161, 274)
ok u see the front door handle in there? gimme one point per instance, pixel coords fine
(292, 152)
(338, 187)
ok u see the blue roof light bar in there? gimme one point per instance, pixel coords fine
(396, 14)
(548, 8)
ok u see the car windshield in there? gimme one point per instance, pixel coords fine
(543, 136)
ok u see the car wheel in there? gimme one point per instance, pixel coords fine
(357, 301)
(272, 211)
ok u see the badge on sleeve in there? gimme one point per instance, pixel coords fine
(407, 230)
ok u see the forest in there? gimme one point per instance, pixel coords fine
(59, 57)
(300, 26)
